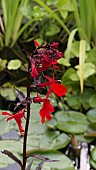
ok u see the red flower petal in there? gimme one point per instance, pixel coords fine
(47, 108)
(36, 43)
(59, 89)
(17, 117)
(44, 66)
(34, 72)
(54, 45)
(6, 113)
(38, 99)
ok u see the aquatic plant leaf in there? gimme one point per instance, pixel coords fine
(14, 64)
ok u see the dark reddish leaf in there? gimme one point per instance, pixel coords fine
(10, 155)
(29, 166)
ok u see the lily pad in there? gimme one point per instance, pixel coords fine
(63, 163)
(82, 138)
(5, 126)
(71, 116)
(71, 122)
(72, 127)
(91, 115)
(14, 64)
(11, 145)
(52, 123)
(93, 163)
(51, 140)
(93, 154)
(92, 101)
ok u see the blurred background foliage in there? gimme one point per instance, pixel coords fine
(72, 23)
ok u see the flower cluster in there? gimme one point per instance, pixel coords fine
(43, 57)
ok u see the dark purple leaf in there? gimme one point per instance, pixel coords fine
(22, 98)
(10, 155)
(43, 158)
(40, 165)
(29, 166)
(20, 95)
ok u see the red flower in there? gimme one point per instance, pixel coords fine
(46, 109)
(59, 89)
(17, 117)
(43, 57)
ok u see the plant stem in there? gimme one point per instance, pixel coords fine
(27, 120)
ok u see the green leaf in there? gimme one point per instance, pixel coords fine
(93, 154)
(93, 163)
(14, 64)
(36, 127)
(82, 138)
(85, 97)
(66, 80)
(91, 56)
(66, 5)
(92, 101)
(50, 140)
(64, 162)
(70, 42)
(35, 12)
(88, 70)
(71, 122)
(63, 61)
(52, 30)
(75, 49)
(53, 140)
(5, 126)
(5, 160)
(51, 2)
(71, 116)
(91, 115)
(2, 64)
(52, 123)
(72, 127)
(73, 101)
(63, 13)
(11, 145)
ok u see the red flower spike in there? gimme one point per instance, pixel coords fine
(36, 43)
(17, 117)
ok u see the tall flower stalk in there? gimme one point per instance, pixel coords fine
(27, 120)
(42, 58)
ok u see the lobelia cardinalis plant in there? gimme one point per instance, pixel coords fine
(42, 58)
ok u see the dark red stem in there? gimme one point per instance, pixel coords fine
(27, 121)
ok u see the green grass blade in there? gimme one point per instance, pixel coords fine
(18, 19)
(81, 62)
(4, 7)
